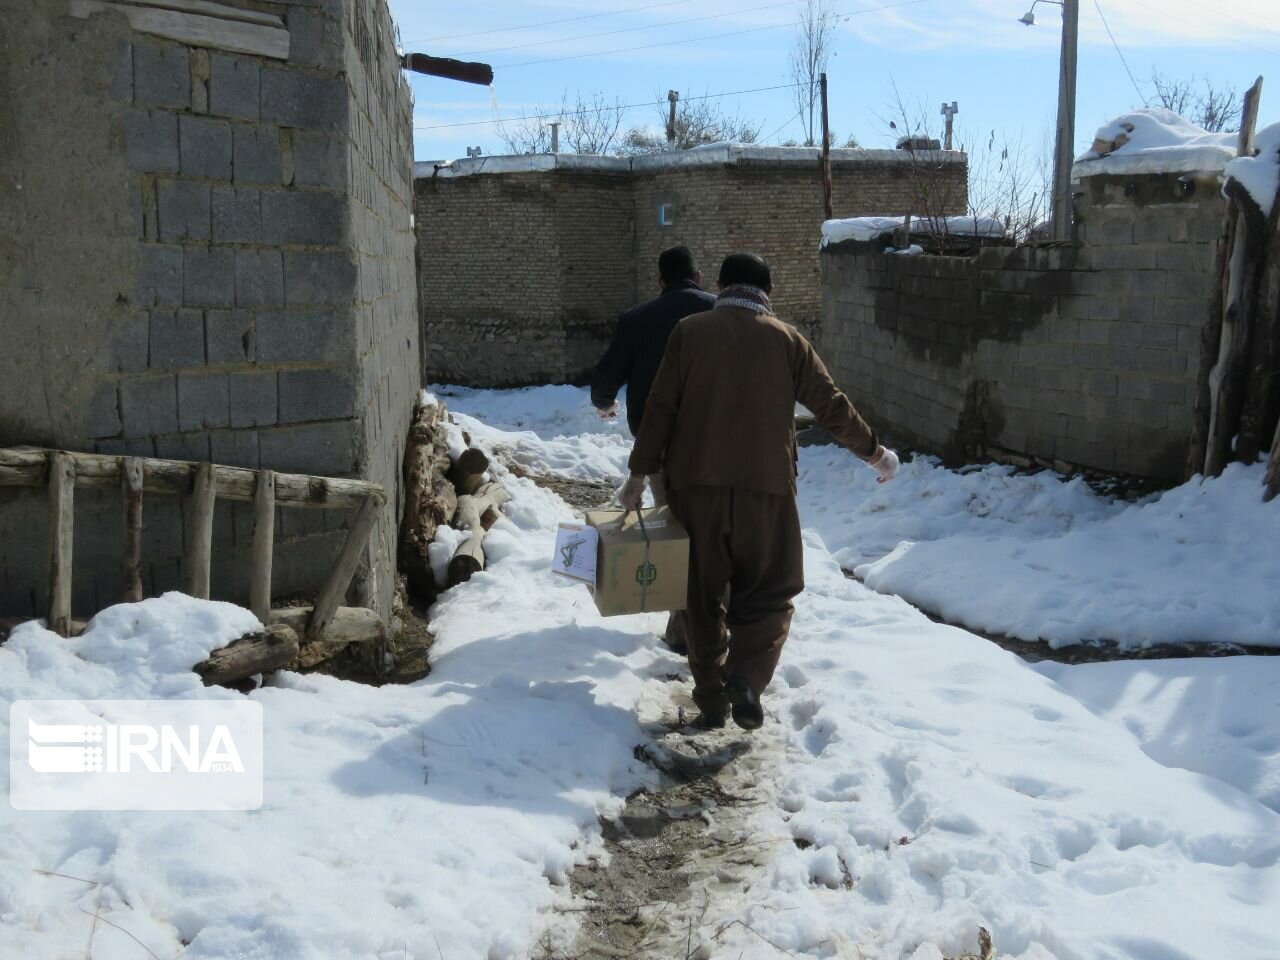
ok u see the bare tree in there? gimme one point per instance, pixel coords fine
(590, 124)
(698, 121)
(1217, 109)
(1008, 180)
(815, 38)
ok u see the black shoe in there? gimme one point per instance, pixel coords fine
(712, 721)
(747, 712)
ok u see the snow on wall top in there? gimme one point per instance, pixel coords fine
(1260, 175)
(712, 154)
(1155, 140)
(868, 228)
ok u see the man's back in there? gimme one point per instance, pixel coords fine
(636, 351)
(726, 407)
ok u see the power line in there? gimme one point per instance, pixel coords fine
(548, 23)
(1141, 95)
(1202, 27)
(647, 26)
(1223, 13)
(788, 123)
(714, 36)
(620, 107)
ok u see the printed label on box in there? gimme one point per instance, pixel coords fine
(576, 548)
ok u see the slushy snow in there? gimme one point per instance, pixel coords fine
(930, 783)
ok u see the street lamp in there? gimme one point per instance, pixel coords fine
(1064, 148)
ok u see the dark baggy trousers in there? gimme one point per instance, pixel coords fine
(750, 543)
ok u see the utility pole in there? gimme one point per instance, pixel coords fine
(555, 136)
(826, 155)
(673, 97)
(949, 111)
(1064, 152)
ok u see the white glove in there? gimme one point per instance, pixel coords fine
(632, 493)
(885, 464)
(609, 412)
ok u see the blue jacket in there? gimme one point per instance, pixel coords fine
(636, 352)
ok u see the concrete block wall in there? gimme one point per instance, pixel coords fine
(197, 224)
(1079, 356)
(535, 257)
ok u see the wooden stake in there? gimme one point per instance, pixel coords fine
(826, 155)
(1208, 447)
(200, 532)
(264, 535)
(335, 588)
(131, 481)
(1273, 470)
(62, 493)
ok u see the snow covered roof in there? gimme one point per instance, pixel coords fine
(1155, 140)
(869, 228)
(1260, 175)
(712, 154)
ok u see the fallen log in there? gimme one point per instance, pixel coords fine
(473, 512)
(348, 625)
(261, 652)
(467, 473)
(430, 500)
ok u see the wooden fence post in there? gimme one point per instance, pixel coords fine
(264, 531)
(131, 481)
(62, 498)
(200, 532)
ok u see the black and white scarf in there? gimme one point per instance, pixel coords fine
(746, 296)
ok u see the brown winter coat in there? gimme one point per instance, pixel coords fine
(721, 412)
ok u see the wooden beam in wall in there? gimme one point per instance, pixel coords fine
(228, 30)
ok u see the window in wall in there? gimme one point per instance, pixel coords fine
(666, 214)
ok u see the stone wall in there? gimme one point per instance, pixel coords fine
(1079, 356)
(534, 257)
(209, 257)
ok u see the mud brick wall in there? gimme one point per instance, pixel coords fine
(210, 258)
(520, 275)
(1084, 356)
(526, 262)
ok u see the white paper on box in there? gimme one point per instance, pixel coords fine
(576, 547)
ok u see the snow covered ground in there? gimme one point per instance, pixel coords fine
(931, 782)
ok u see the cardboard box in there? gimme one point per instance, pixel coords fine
(640, 569)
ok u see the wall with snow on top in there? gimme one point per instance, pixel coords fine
(1077, 356)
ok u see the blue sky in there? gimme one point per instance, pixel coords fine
(1003, 74)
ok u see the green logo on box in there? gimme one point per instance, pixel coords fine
(646, 574)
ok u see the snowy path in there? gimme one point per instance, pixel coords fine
(920, 782)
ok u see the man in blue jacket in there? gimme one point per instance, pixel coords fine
(636, 352)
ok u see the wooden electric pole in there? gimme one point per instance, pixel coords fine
(826, 155)
(673, 97)
(1064, 151)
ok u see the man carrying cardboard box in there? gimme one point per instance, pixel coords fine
(720, 426)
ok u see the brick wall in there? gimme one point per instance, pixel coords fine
(1079, 356)
(231, 286)
(534, 257)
